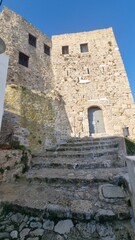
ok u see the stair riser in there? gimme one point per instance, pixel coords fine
(87, 139)
(69, 180)
(90, 143)
(77, 166)
(91, 148)
(58, 212)
(111, 155)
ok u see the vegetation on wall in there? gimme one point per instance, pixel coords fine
(130, 146)
(35, 111)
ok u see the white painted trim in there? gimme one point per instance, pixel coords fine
(100, 99)
(83, 80)
(3, 77)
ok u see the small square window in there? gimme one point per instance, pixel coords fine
(32, 40)
(84, 47)
(23, 59)
(46, 49)
(88, 71)
(65, 50)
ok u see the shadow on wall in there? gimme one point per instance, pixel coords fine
(37, 119)
(6, 134)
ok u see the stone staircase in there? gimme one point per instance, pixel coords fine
(81, 180)
(70, 178)
(76, 172)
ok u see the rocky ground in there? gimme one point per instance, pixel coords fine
(23, 226)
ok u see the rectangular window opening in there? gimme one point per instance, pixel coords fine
(47, 49)
(65, 50)
(88, 71)
(84, 47)
(23, 59)
(32, 40)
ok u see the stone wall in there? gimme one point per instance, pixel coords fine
(93, 78)
(32, 110)
(13, 163)
(14, 30)
(26, 226)
(35, 117)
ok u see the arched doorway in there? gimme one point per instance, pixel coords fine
(96, 121)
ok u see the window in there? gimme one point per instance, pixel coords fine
(110, 43)
(65, 50)
(46, 49)
(84, 47)
(88, 71)
(32, 40)
(23, 59)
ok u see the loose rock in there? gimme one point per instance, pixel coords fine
(64, 226)
(14, 234)
(35, 225)
(37, 232)
(48, 225)
(24, 233)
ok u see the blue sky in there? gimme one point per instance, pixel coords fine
(66, 16)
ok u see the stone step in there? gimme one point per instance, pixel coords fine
(83, 147)
(54, 175)
(109, 153)
(99, 202)
(91, 142)
(98, 139)
(75, 163)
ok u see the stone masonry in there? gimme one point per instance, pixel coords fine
(53, 84)
(15, 31)
(33, 109)
(93, 78)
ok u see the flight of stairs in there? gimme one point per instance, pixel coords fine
(80, 180)
(78, 188)
(77, 178)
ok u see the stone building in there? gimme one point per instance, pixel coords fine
(93, 83)
(70, 85)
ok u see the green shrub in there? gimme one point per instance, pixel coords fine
(130, 146)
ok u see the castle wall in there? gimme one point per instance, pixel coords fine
(31, 106)
(93, 78)
(15, 30)
(35, 116)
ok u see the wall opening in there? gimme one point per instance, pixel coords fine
(65, 50)
(84, 47)
(23, 59)
(32, 40)
(47, 49)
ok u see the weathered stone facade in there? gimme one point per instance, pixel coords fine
(33, 110)
(15, 32)
(93, 78)
(47, 101)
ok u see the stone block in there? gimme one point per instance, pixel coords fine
(63, 227)
(110, 191)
